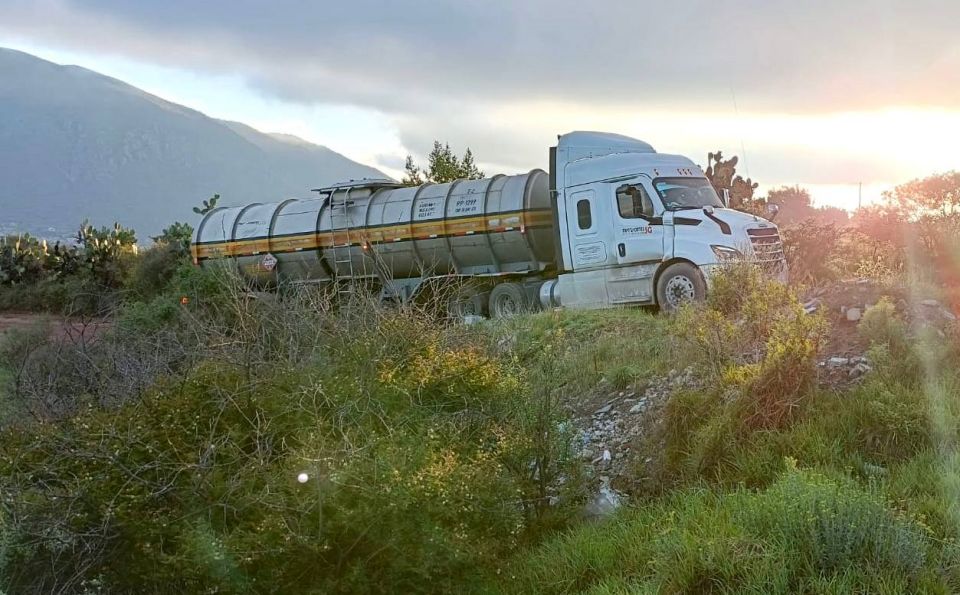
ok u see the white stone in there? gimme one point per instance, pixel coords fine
(603, 504)
(859, 370)
(853, 314)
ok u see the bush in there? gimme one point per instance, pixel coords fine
(429, 460)
(806, 533)
(154, 271)
(812, 249)
(754, 336)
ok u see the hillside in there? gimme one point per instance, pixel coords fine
(75, 144)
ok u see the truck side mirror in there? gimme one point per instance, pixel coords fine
(725, 199)
(773, 210)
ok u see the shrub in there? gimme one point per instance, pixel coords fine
(806, 532)
(812, 249)
(881, 325)
(756, 338)
(154, 270)
(107, 254)
(757, 350)
(774, 386)
(429, 460)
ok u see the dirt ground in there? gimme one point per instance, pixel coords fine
(59, 327)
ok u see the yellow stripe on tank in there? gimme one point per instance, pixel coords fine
(385, 234)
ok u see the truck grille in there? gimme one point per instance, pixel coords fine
(767, 247)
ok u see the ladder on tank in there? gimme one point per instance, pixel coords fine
(342, 248)
(344, 237)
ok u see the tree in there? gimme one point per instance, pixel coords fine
(414, 175)
(443, 166)
(936, 195)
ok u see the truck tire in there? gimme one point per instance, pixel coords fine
(466, 301)
(508, 299)
(679, 284)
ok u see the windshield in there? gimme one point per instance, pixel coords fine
(686, 193)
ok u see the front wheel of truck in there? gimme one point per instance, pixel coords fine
(679, 284)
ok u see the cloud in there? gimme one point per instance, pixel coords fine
(505, 76)
(401, 56)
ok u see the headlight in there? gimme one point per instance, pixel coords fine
(726, 253)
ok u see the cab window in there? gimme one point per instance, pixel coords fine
(584, 217)
(633, 202)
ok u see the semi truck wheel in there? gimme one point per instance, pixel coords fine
(679, 284)
(466, 301)
(508, 299)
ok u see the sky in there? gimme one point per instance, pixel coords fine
(827, 94)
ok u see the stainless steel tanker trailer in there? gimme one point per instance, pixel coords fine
(613, 223)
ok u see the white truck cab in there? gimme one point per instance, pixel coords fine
(635, 226)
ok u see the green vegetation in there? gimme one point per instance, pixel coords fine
(443, 166)
(208, 439)
(440, 457)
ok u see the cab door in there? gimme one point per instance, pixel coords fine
(638, 227)
(638, 242)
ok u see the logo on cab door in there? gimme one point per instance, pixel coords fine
(637, 231)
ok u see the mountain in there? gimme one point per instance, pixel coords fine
(75, 145)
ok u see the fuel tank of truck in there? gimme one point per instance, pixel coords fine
(497, 225)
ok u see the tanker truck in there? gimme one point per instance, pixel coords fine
(613, 223)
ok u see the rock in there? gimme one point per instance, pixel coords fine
(603, 504)
(853, 314)
(930, 303)
(859, 370)
(837, 362)
(586, 454)
(811, 306)
(947, 314)
(606, 456)
(639, 407)
(603, 409)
